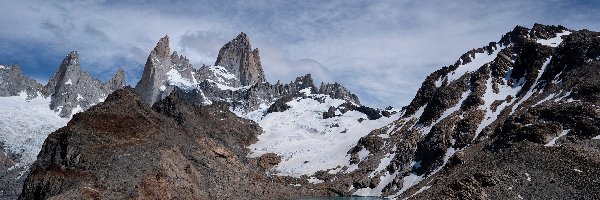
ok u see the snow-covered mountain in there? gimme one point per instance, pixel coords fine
(535, 88)
(237, 78)
(517, 118)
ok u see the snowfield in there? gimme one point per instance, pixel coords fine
(25, 124)
(306, 142)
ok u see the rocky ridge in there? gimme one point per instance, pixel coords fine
(237, 78)
(502, 112)
(73, 91)
(13, 82)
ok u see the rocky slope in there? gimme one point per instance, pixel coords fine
(123, 148)
(518, 118)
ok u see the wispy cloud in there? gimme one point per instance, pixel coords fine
(380, 50)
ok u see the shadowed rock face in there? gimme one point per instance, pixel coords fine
(155, 72)
(122, 148)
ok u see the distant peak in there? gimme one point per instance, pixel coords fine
(242, 40)
(71, 60)
(242, 36)
(162, 47)
(73, 54)
(237, 57)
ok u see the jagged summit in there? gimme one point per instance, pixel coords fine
(162, 49)
(117, 81)
(73, 91)
(237, 78)
(238, 57)
(13, 82)
(163, 71)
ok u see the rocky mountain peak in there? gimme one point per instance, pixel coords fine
(12, 82)
(162, 49)
(546, 31)
(117, 81)
(162, 72)
(238, 58)
(68, 72)
(73, 90)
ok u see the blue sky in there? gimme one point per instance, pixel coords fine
(380, 50)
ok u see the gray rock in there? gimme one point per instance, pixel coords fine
(71, 89)
(237, 79)
(12, 82)
(154, 84)
(116, 82)
(238, 58)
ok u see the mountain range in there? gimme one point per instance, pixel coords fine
(517, 118)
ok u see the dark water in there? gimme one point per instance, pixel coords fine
(343, 198)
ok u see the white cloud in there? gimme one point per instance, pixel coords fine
(381, 50)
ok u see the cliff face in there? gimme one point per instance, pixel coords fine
(238, 57)
(123, 148)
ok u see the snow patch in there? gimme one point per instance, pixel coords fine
(383, 163)
(555, 41)
(76, 110)
(25, 124)
(553, 141)
(385, 179)
(226, 87)
(174, 78)
(533, 88)
(221, 73)
(305, 141)
(69, 82)
(477, 61)
(314, 180)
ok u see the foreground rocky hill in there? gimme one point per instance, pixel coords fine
(123, 149)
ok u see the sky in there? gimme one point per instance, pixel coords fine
(381, 50)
